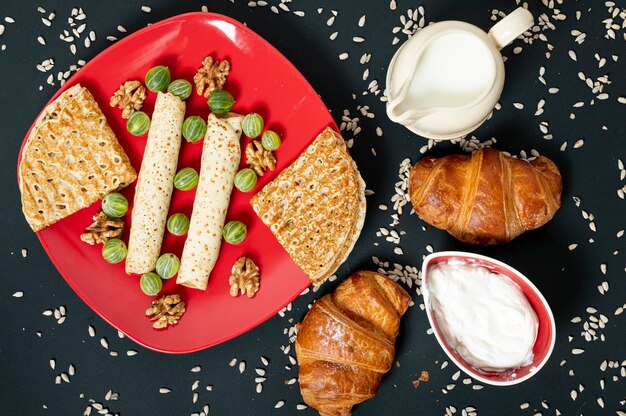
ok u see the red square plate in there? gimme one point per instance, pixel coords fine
(261, 80)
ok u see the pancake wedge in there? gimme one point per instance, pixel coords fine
(70, 160)
(356, 229)
(316, 206)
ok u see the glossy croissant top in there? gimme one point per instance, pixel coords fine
(485, 198)
(346, 342)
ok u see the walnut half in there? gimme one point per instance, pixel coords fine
(166, 310)
(424, 377)
(259, 158)
(211, 76)
(244, 277)
(102, 229)
(129, 97)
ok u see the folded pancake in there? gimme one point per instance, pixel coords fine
(316, 206)
(356, 229)
(221, 154)
(70, 160)
(155, 184)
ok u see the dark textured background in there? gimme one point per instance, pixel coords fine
(567, 278)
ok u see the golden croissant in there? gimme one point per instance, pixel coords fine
(345, 343)
(485, 198)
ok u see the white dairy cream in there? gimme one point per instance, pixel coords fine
(483, 315)
(454, 70)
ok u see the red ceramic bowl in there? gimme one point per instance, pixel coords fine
(547, 329)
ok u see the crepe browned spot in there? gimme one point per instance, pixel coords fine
(316, 206)
(70, 160)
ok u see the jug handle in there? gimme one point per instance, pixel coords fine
(509, 28)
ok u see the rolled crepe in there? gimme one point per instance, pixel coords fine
(155, 184)
(221, 154)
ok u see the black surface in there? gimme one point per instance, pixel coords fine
(568, 279)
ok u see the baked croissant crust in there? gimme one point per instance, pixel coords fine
(485, 198)
(345, 343)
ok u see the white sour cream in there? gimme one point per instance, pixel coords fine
(483, 315)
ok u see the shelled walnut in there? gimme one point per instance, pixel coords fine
(259, 158)
(244, 277)
(424, 377)
(129, 97)
(166, 310)
(211, 76)
(102, 229)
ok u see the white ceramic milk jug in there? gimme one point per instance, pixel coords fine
(445, 80)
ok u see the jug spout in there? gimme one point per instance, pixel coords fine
(396, 111)
(397, 114)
